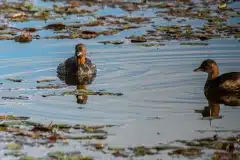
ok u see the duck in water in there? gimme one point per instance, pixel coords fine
(218, 85)
(78, 65)
(81, 83)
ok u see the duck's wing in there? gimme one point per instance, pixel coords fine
(88, 61)
(70, 65)
(229, 82)
(61, 68)
(91, 66)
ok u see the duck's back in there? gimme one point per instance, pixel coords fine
(226, 83)
(69, 67)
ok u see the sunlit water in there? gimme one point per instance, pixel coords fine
(155, 81)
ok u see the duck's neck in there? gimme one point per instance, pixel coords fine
(213, 74)
(81, 60)
(81, 86)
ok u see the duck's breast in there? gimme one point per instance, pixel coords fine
(86, 69)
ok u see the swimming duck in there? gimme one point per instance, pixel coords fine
(78, 65)
(228, 83)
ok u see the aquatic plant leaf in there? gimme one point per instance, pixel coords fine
(116, 42)
(15, 98)
(14, 80)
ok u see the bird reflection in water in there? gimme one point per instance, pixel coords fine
(213, 109)
(81, 82)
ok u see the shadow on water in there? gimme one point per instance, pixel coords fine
(157, 81)
(81, 82)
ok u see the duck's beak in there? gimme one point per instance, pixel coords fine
(198, 70)
(79, 54)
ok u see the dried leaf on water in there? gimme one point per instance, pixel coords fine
(54, 137)
(12, 117)
(57, 26)
(18, 16)
(98, 146)
(68, 156)
(50, 86)
(142, 151)
(13, 146)
(186, 152)
(82, 92)
(24, 38)
(137, 19)
(45, 80)
(116, 42)
(151, 44)
(15, 80)
(138, 39)
(15, 98)
(193, 44)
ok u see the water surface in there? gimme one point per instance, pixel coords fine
(155, 81)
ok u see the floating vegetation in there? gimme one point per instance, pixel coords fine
(57, 26)
(214, 25)
(116, 42)
(24, 38)
(14, 80)
(12, 117)
(56, 133)
(194, 44)
(14, 98)
(186, 152)
(137, 39)
(13, 146)
(18, 17)
(63, 156)
(137, 19)
(82, 92)
(51, 86)
(151, 44)
(226, 156)
(110, 32)
(45, 80)
(142, 151)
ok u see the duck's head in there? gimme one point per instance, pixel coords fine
(80, 53)
(208, 66)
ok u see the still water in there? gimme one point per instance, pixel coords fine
(156, 82)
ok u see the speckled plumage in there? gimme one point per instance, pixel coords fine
(225, 83)
(70, 67)
(228, 83)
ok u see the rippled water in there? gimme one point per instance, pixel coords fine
(156, 82)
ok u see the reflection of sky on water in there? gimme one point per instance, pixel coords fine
(156, 82)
